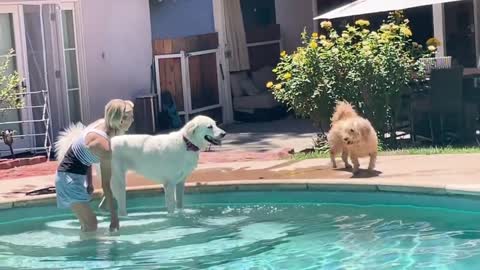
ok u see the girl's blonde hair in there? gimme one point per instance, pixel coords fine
(114, 113)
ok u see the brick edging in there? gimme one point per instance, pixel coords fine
(6, 164)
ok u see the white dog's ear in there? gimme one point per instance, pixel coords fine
(190, 128)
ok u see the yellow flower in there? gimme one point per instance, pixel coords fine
(406, 31)
(345, 35)
(351, 29)
(385, 27)
(299, 57)
(314, 35)
(327, 44)
(385, 36)
(432, 48)
(366, 31)
(278, 86)
(313, 45)
(362, 23)
(269, 84)
(322, 37)
(287, 76)
(433, 41)
(326, 25)
(283, 54)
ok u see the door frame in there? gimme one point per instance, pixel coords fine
(27, 140)
(222, 62)
(71, 6)
(186, 87)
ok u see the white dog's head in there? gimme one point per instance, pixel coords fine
(203, 130)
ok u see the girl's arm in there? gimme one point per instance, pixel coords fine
(101, 148)
(90, 181)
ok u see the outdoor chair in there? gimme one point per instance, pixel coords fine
(446, 103)
(408, 109)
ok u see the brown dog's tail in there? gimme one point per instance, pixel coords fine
(343, 110)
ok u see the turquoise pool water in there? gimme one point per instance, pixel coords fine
(256, 230)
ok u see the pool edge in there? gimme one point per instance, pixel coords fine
(472, 190)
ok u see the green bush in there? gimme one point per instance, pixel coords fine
(9, 86)
(367, 68)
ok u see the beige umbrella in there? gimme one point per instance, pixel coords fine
(360, 7)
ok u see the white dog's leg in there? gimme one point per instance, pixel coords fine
(119, 187)
(179, 194)
(169, 197)
(345, 159)
(356, 164)
(373, 160)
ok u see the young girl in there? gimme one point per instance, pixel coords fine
(74, 174)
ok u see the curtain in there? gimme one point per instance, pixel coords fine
(235, 34)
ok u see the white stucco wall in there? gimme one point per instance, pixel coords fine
(118, 51)
(293, 16)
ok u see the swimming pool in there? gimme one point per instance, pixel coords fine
(256, 230)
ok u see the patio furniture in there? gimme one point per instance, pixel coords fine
(439, 62)
(446, 103)
(412, 107)
(252, 101)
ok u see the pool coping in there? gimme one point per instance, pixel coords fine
(469, 190)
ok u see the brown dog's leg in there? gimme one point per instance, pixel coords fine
(345, 159)
(332, 157)
(356, 164)
(373, 159)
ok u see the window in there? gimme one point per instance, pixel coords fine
(460, 32)
(7, 42)
(71, 66)
(257, 13)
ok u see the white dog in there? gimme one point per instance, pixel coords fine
(166, 159)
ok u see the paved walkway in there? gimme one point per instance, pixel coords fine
(431, 174)
(292, 133)
(245, 141)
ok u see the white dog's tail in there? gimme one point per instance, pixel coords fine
(66, 138)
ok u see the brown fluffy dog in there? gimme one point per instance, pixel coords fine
(352, 136)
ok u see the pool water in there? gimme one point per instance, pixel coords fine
(255, 230)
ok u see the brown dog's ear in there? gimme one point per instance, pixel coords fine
(365, 130)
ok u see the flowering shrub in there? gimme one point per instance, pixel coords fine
(9, 86)
(367, 68)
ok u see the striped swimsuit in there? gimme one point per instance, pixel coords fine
(70, 182)
(79, 158)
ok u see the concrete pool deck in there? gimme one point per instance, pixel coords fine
(457, 174)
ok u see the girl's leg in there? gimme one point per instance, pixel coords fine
(86, 216)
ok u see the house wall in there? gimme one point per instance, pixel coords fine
(293, 17)
(180, 18)
(118, 51)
